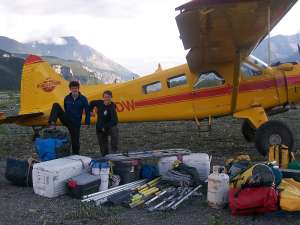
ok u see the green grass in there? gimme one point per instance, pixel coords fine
(93, 212)
(3, 130)
(215, 220)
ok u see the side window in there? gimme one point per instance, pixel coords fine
(177, 81)
(153, 87)
(209, 79)
(249, 71)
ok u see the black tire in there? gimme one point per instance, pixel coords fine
(248, 131)
(273, 132)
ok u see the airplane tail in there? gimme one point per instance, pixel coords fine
(41, 86)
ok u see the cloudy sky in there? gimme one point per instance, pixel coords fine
(136, 33)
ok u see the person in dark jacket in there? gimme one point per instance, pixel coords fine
(74, 105)
(107, 121)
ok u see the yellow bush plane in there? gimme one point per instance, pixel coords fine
(220, 78)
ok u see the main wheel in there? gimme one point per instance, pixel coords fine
(271, 133)
(248, 131)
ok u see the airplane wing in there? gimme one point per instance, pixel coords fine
(20, 118)
(215, 30)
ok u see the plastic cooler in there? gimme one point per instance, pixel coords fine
(200, 161)
(50, 178)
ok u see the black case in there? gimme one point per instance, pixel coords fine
(85, 184)
(19, 172)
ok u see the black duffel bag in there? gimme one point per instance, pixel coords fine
(19, 172)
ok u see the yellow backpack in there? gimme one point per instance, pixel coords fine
(257, 175)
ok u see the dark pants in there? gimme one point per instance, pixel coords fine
(58, 113)
(113, 132)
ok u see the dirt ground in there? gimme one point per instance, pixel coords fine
(20, 206)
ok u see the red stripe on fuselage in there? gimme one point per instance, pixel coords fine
(292, 80)
(214, 92)
(218, 91)
(257, 85)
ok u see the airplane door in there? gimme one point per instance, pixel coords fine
(211, 95)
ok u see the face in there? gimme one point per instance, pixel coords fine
(106, 99)
(74, 90)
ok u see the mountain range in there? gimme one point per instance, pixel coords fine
(90, 66)
(284, 48)
(87, 64)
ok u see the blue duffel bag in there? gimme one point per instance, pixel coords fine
(52, 145)
(50, 148)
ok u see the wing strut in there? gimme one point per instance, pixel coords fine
(236, 81)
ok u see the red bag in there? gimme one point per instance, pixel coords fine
(253, 200)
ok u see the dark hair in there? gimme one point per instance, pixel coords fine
(107, 92)
(74, 83)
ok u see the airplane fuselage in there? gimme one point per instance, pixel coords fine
(179, 94)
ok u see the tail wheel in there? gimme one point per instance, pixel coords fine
(273, 132)
(248, 131)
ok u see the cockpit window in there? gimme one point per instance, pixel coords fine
(250, 71)
(153, 87)
(209, 79)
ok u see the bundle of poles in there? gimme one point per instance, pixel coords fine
(101, 197)
(147, 193)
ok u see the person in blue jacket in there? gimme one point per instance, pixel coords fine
(74, 105)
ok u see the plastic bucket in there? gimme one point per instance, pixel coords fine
(104, 175)
(128, 171)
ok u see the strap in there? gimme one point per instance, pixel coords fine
(280, 155)
(30, 161)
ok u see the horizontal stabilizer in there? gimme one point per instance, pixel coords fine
(20, 118)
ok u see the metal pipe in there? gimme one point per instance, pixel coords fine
(177, 199)
(103, 198)
(134, 186)
(104, 194)
(185, 197)
(157, 196)
(95, 198)
(163, 202)
(112, 189)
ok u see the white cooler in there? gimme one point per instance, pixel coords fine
(200, 161)
(49, 178)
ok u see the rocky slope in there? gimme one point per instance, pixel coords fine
(66, 50)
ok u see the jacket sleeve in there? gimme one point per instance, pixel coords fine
(93, 105)
(65, 105)
(87, 112)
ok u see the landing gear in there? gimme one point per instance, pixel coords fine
(273, 132)
(248, 131)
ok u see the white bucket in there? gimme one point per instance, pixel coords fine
(95, 167)
(96, 171)
(104, 175)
